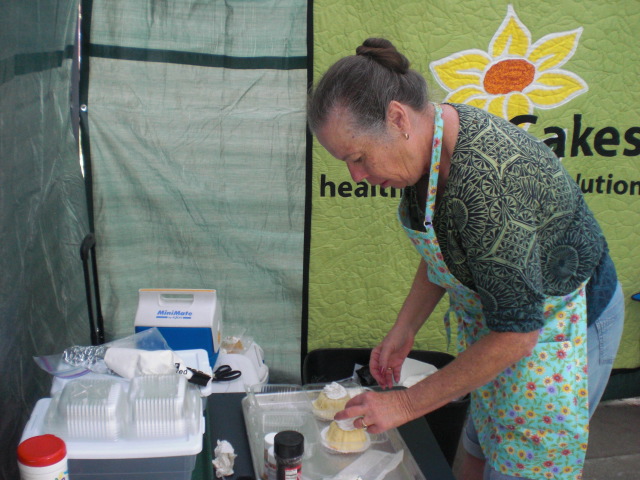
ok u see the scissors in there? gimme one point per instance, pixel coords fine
(224, 373)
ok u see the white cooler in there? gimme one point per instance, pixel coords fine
(160, 457)
(171, 458)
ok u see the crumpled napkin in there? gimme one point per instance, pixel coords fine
(132, 362)
(224, 458)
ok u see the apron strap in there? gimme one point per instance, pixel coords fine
(436, 150)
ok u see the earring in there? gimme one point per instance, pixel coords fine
(406, 136)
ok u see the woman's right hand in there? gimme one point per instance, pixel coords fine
(387, 358)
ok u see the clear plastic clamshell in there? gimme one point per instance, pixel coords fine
(163, 406)
(88, 410)
(148, 407)
(274, 408)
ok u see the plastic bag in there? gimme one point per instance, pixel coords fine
(76, 361)
(372, 465)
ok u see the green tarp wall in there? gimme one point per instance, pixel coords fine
(43, 213)
(197, 135)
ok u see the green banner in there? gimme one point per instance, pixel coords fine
(567, 75)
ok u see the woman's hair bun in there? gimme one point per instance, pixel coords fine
(365, 84)
(383, 52)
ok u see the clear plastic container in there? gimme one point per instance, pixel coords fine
(263, 415)
(155, 406)
(353, 388)
(371, 465)
(163, 406)
(171, 458)
(92, 409)
(281, 396)
(234, 339)
(266, 420)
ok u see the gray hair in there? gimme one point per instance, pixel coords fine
(365, 84)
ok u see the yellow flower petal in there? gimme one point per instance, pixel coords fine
(462, 95)
(554, 50)
(555, 88)
(518, 104)
(474, 96)
(461, 69)
(512, 38)
(496, 106)
(479, 102)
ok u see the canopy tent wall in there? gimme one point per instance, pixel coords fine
(197, 133)
(43, 216)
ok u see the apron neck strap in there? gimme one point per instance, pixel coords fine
(436, 150)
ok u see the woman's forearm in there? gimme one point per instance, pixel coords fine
(471, 369)
(476, 366)
(421, 300)
(387, 358)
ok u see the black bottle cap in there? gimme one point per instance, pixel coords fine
(288, 444)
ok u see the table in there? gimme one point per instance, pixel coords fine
(225, 421)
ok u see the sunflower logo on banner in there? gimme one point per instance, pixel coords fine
(513, 77)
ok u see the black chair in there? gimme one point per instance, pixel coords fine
(327, 365)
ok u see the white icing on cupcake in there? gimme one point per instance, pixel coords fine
(334, 391)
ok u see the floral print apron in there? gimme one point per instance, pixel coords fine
(532, 419)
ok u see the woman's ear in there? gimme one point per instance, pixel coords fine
(397, 118)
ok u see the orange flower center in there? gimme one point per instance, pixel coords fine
(508, 76)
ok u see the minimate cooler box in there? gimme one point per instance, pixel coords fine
(187, 318)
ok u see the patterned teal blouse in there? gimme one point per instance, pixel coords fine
(514, 226)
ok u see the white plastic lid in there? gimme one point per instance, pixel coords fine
(269, 439)
(271, 455)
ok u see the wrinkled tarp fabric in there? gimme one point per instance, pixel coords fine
(43, 216)
(197, 130)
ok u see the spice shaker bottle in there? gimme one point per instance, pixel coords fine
(289, 448)
(43, 457)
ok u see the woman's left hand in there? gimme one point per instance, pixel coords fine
(378, 411)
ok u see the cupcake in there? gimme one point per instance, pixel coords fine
(330, 401)
(342, 436)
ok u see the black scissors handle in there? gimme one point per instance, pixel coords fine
(224, 373)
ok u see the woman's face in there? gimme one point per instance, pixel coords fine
(383, 160)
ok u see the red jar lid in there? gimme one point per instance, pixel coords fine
(42, 451)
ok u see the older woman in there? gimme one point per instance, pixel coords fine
(504, 230)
